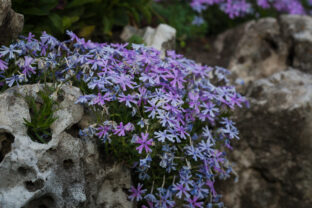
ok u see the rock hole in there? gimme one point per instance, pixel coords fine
(264, 53)
(34, 186)
(22, 171)
(68, 164)
(291, 55)
(65, 193)
(115, 189)
(52, 151)
(116, 205)
(44, 201)
(241, 59)
(60, 96)
(125, 190)
(44, 137)
(73, 130)
(6, 140)
(272, 43)
(103, 205)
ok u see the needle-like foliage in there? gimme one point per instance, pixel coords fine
(41, 114)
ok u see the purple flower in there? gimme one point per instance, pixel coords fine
(207, 134)
(136, 193)
(73, 36)
(199, 190)
(14, 79)
(182, 131)
(186, 177)
(263, 3)
(230, 130)
(3, 65)
(30, 37)
(120, 130)
(199, 6)
(164, 199)
(144, 143)
(205, 147)
(100, 100)
(237, 8)
(103, 132)
(129, 127)
(85, 99)
(128, 99)
(177, 79)
(194, 152)
(48, 39)
(163, 135)
(96, 63)
(166, 119)
(210, 184)
(181, 189)
(198, 21)
(124, 81)
(167, 161)
(193, 203)
(153, 108)
(11, 51)
(209, 109)
(27, 68)
(194, 101)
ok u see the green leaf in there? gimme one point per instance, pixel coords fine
(87, 31)
(57, 22)
(146, 13)
(36, 11)
(68, 21)
(107, 26)
(76, 3)
(135, 14)
(122, 19)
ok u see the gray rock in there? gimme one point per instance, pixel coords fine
(164, 38)
(161, 38)
(273, 157)
(66, 172)
(298, 30)
(258, 49)
(5, 6)
(11, 23)
(255, 50)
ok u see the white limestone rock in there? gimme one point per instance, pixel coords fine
(161, 38)
(65, 172)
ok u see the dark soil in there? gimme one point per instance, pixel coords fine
(203, 51)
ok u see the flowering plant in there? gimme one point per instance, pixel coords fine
(238, 8)
(167, 118)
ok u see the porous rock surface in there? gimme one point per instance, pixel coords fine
(298, 31)
(67, 172)
(260, 48)
(11, 23)
(273, 157)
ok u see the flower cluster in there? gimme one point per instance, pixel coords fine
(236, 8)
(170, 115)
(240, 8)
